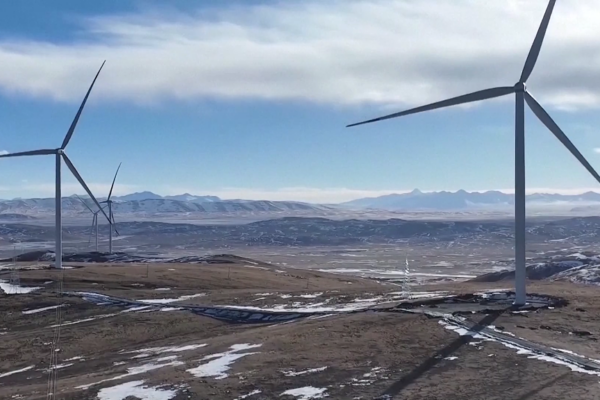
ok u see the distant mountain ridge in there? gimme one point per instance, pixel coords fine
(148, 203)
(151, 203)
(153, 196)
(461, 199)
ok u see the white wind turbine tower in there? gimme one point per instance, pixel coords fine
(111, 216)
(406, 281)
(522, 95)
(60, 154)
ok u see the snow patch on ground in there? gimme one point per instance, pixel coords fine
(16, 371)
(369, 378)
(311, 296)
(579, 256)
(306, 371)
(133, 371)
(9, 288)
(39, 310)
(492, 327)
(167, 301)
(324, 306)
(520, 350)
(245, 396)
(61, 366)
(135, 389)
(586, 274)
(79, 321)
(220, 363)
(379, 272)
(441, 264)
(304, 308)
(306, 393)
(168, 349)
(393, 296)
(76, 358)
(135, 308)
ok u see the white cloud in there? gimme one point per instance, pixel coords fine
(597, 150)
(348, 52)
(2, 152)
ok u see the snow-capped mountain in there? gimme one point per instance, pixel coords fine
(147, 203)
(461, 199)
(139, 196)
(193, 198)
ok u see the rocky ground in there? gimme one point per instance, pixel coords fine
(341, 338)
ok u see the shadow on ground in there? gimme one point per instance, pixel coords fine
(398, 386)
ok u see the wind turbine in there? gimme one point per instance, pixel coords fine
(94, 221)
(60, 154)
(111, 216)
(522, 95)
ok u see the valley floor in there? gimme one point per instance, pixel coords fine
(150, 339)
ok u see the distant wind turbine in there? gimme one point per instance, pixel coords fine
(60, 154)
(522, 95)
(406, 282)
(94, 222)
(111, 216)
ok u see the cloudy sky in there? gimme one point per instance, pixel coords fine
(251, 98)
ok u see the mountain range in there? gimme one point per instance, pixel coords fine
(148, 203)
(461, 200)
(180, 197)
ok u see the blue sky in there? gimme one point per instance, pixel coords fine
(250, 99)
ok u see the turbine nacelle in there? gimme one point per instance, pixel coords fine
(520, 87)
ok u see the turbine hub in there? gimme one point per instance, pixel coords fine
(520, 87)
(59, 151)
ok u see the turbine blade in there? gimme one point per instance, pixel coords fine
(76, 119)
(43, 152)
(114, 179)
(465, 98)
(85, 204)
(83, 184)
(543, 116)
(112, 216)
(534, 52)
